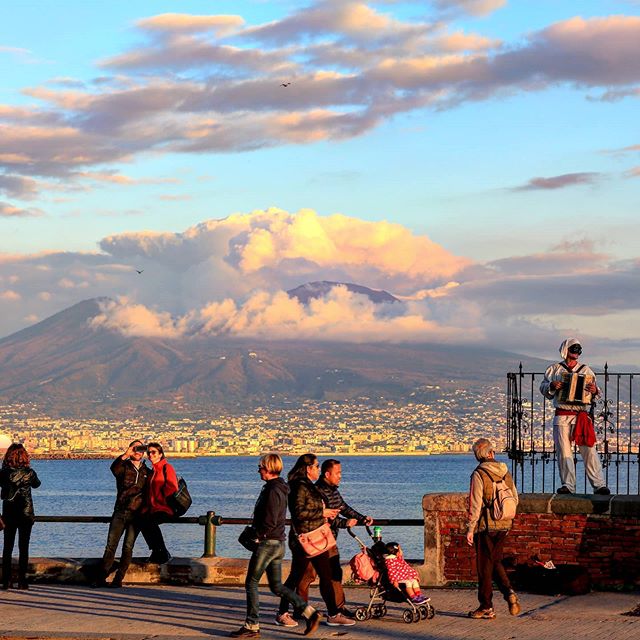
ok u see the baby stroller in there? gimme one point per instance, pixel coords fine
(368, 567)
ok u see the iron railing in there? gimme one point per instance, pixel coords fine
(530, 444)
(211, 522)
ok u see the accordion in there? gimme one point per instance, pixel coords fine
(573, 390)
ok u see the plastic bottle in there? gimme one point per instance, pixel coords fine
(377, 533)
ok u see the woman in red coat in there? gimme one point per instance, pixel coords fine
(162, 484)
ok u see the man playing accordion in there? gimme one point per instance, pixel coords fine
(570, 385)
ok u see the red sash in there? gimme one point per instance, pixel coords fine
(584, 434)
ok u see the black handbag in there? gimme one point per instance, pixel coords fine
(249, 538)
(180, 500)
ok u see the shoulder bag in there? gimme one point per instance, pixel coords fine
(179, 501)
(317, 541)
(249, 538)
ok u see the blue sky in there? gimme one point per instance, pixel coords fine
(503, 131)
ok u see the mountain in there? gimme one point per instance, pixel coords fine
(64, 360)
(311, 290)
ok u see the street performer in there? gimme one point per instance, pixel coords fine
(572, 421)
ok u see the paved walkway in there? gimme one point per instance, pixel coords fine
(170, 613)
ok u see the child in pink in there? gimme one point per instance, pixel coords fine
(402, 574)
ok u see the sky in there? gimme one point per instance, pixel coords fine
(479, 159)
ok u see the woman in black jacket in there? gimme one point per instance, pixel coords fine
(269, 516)
(308, 513)
(16, 480)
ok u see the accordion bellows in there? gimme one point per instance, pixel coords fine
(574, 390)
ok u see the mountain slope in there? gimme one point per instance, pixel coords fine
(64, 358)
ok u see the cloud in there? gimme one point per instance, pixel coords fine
(211, 83)
(302, 244)
(472, 7)
(560, 182)
(8, 210)
(8, 295)
(341, 316)
(230, 276)
(134, 320)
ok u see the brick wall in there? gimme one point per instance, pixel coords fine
(601, 533)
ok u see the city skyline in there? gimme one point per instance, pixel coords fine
(475, 158)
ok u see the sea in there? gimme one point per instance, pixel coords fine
(388, 487)
(380, 486)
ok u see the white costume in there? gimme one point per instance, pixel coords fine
(563, 426)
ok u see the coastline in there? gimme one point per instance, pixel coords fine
(171, 454)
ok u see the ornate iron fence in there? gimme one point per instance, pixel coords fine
(530, 443)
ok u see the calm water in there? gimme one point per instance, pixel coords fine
(386, 487)
(381, 486)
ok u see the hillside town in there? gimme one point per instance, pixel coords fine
(446, 424)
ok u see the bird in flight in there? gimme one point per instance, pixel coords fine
(139, 270)
(285, 84)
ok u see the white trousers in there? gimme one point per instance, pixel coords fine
(563, 426)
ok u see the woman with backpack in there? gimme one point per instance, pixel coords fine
(17, 478)
(492, 501)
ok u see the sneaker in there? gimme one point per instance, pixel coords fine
(286, 620)
(340, 620)
(563, 489)
(482, 614)
(603, 491)
(244, 632)
(419, 599)
(514, 604)
(116, 583)
(347, 613)
(313, 622)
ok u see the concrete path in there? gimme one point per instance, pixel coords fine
(170, 613)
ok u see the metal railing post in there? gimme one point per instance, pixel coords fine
(209, 535)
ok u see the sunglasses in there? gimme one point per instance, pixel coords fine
(261, 468)
(153, 452)
(575, 348)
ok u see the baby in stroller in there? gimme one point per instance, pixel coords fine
(401, 574)
(391, 579)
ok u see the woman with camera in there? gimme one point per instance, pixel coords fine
(269, 516)
(16, 479)
(131, 474)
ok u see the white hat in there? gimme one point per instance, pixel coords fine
(564, 347)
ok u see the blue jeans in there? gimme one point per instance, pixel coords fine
(267, 557)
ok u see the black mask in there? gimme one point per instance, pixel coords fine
(576, 349)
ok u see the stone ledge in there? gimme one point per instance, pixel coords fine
(622, 506)
(218, 570)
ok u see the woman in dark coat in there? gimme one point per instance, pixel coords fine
(16, 480)
(308, 513)
(269, 518)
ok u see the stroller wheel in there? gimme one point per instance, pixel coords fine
(375, 611)
(383, 610)
(416, 615)
(361, 614)
(407, 615)
(424, 612)
(430, 612)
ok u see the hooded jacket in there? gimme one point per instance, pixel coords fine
(17, 502)
(130, 484)
(480, 493)
(270, 512)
